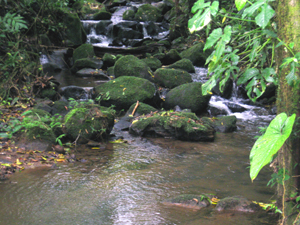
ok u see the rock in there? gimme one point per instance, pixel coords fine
(83, 51)
(125, 91)
(183, 64)
(86, 63)
(235, 107)
(102, 15)
(109, 60)
(51, 68)
(59, 149)
(152, 28)
(179, 125)
(49, 93)
(100, 28)
(142, 109)
(171, 57)
(99, 74)
(188, 96)
(60, 107)
(189, 201)
(74, 92)
(91, 122)
(237, 203)
(128, 14)
(152, 62)
(196, 54)
(227, 89)
(130, 65)
(148, 12)
(171, 78)
(178, 25)
(225, 124)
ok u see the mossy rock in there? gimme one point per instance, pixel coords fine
(171, 78)
(125, 91)
(102, 15)
(148, 12)
(49, 93)
(128, 14)
(189, 201)
(196, 54)
(86, 63)
(132, 66)
(38, 113)
(110, 71)
(74, 33)
(179, 125)
(142, 109)
(83, 51)
(152, 62)
(225, 124)
(42, 132)
(188, 96)
(92, 122)
(183, 64)
(237, 203)
(226, 90)
(171, 57)
(109, 60)
(60, 107)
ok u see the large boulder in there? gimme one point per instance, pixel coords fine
(224, 124)
(170, 57)
(124, 91)
(183, 64)
(74, 92)
(195, 54)
(91, 122)
(152, 62)
(130, 65)
(83, 51)
(102, 15)
(109, 60)
(148, 12)
(179, 125)
(171, 78)
(188, 96)
(86, 63)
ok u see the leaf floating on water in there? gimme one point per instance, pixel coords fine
(18, 162)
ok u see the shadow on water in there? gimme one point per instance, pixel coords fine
(128, 184)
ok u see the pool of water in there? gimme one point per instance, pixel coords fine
(128, 183)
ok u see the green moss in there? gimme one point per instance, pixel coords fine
(109, 59)
(148, 12)
(141, 109)
(171, 78)
(49, 93)
(183, 64)
(83, 51)
(152, 62)
(42, 133)
(85, 63)
(128, 14)
(196, 54)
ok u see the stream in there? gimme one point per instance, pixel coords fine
(128, 183)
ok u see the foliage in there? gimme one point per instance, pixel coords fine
(268, 145)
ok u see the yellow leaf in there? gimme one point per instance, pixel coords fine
(224, 19)
(18, 162)
(60, 160)
(134, 121)
(95, 148)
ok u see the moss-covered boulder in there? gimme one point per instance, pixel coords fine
(237, 203)
(128, 14)
(171, 78)
(130, 65)
(152, 62)
(109, 60)
(179, 125)
(183, 64)
(91, 122)
(170, 57)
(83, 51)
(86, 63)
(125, 91)
(189, 201)
(188, 96)
(60, 107)
(74, 33)
(225, 124)
(102, 15)
(196, 54)
(148, 12)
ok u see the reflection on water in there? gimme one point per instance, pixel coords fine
(127, 185)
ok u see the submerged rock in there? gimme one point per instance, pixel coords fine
(189, 201)
(237, 203)
(225, 124)
(179, 125)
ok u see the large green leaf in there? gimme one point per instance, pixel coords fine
(199, 21)
(249, 73)
(213, 38)
(268, 145)
(263, 18)
(240, 4)
(199, 5)
(251, 10)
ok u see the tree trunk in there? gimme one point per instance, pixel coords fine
(288, 99)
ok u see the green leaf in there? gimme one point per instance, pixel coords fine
(213, 38)
(240, 4)
(270, 33)
(292, 77)
(199, 5)
(268, 145)
(251, 10)
(227, 34)
(198, 22)
(249, 73)
(214, 8)
(263, 18)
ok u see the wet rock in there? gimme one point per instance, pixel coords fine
(91, 122)
(215, 111)
(152, 62)
(83, 51)
(237, 203)
(131, 66)
(99, 74)
(60, 107)
(189, 201)
(188, 96)
(125, 91)
(86, 63)
(225, 124)
(183, 64)
(51, 68)
(74, 92)
(152, 28)
(171, 78)
(235, 107)
(178, 125)
(196, 54)
(109, 60)
(227, 89)
(128, 14)
(148, 12)
(171, 57)
(102, 15)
